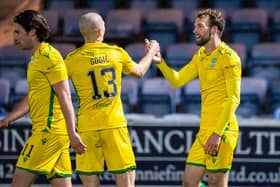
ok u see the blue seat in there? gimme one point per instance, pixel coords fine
(265, 61)
(248, 26)
(185, 6)
(104, 6)
(12, 56)
(64, 48)
(271, 6)
(74, 97)
(60, 5)
(179, 54)
(12, 74)
(71, 31)
(164, 25)
(144, 6)
(241, 50)
(157, 97)
(20, 91)
(52, 17)
(123, 24)
(274, 96)
(129, 94)
(275, 26)
(191, 97)
(5, 88)
(253, 94)
(227, 6)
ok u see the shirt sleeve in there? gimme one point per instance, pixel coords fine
(56, 69)
(178, 79)
(232, 72)
(128, 63)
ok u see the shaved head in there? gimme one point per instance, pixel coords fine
(89, 24)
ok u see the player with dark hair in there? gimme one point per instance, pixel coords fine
(50, 107)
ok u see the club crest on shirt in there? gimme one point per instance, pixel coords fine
(213, 62)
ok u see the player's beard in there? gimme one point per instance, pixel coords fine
(204, 39)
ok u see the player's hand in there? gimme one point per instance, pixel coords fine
(212, 145)
(3, 123)
(153, 45)
(77, 143)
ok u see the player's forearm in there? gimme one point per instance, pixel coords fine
(177, 79)
(68, 112)
(20, 110)
(64, 97)
(144, 64)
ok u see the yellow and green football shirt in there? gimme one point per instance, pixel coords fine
(96, 72)
(220, 75)
(45, 68)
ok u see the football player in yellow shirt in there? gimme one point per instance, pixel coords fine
(95, 70)
(218, 68)
(50, 107)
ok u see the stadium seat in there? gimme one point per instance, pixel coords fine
(13, 56)
(104, 6)
(74, 97)
(179, 54)
(275, 26)
(20, 91)
(191, 97)
(123, 24)
(185, 6)
(136, 51)
(52, 17)
(71, 32)
(265, 61)
(157, 97)
(12, 74)
(60, 5)
(5, 88)
(144, 6)
(164, 25)
(248, 26)
(270, 6)
(253, 95)
(64, 48)
(129, 93)
(274, 96)
(227, 6)
(241, 50)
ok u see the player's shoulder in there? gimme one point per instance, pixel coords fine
(227, 51)
(46, 50)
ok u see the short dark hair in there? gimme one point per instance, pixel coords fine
(31, 19)
(216, 18)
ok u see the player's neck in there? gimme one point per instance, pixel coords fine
(36, 45)
(212, 45)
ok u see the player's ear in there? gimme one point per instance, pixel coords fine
(32, 32)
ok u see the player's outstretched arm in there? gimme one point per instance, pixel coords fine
(142, 67)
